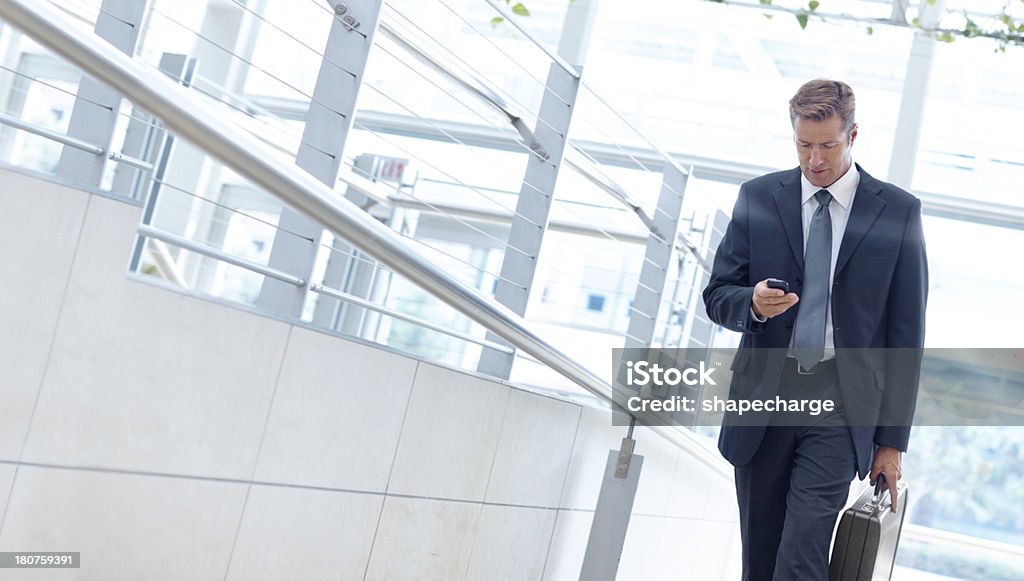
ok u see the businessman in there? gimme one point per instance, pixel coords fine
(849, 329)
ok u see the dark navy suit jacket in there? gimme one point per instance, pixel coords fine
(879, 294)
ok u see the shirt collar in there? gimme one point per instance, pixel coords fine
(842, 190)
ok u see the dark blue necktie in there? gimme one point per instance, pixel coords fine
(809, 333)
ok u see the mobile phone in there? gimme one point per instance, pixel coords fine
(779, 284)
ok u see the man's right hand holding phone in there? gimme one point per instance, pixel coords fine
(771, 298)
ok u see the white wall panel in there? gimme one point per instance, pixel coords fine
(39, 227)
(656, 478)
(295, 533)
(423, 539)
(450, 435)
(533, 452)
(337, 414)
(511, 544)
(147, 379)
(595, 436)
(6, 479)
(125, 526)
(568, 544)
(688, 494)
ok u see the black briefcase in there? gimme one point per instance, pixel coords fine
(868, 536)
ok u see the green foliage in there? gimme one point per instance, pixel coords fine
(1010, 34)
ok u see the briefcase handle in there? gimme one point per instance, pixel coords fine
(880, 490)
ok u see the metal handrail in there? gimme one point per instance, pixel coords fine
(213, 252)
(185, 115)
(63, 139)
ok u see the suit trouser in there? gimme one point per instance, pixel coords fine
(791, 492)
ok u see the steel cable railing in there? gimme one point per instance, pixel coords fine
(188, 118)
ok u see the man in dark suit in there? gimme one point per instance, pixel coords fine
(849, 330)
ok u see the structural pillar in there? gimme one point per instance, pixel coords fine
(530, 221)
(328, 124)
(915, 90)
(96, 108)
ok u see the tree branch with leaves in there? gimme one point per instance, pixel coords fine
(1002, 26)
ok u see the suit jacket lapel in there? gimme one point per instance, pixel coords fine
(787, 202)
(866, 207)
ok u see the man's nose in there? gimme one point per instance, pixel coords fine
(816, 157)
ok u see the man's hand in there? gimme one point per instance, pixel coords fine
(771, 302)
(888, 461)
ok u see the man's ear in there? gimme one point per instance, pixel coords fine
(853, 133)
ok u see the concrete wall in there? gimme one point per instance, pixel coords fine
(169, 437)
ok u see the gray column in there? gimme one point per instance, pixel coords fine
(658, 259)
(118, 24)
(526, 232)
(915, 90)
(323, 140)
(611, 519)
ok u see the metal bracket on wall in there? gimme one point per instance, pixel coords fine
(341, 11)
(625, 456)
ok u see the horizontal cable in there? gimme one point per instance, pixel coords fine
(459, 142)
(55, 87)
(471, 265)
(270, 23)
(400, 191)
(226, 207)
(377, 265)
(146, 122)
(283, 129)
(505, 94)
(523, 110)
(499, 49)
(250, 63)
(515, 135)
(558, 60)
(661, 153)
(390, 312)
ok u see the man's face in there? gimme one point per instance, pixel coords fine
(824, 149)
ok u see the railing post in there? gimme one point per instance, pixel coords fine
(622, 474)
(536, 195)
(96, 107)
(658, 259)
(328, 124)
(177, 66)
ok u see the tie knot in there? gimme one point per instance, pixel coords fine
(824, 197)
